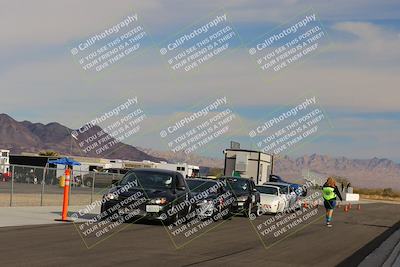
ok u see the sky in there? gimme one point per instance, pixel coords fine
(355, 75)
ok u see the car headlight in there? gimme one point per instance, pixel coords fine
(158, 201)
(110, 196)
(242, 198)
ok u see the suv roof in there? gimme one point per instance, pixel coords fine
(151, 170)
(232, 177)
(268, 185)
(275, 183)
(202, 179)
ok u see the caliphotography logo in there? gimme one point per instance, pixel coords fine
(286, 129)
(101, 50)
(200, 43)
(300, 38)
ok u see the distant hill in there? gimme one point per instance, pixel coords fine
(369, 173)
(26, 136)
(182, 157)
(35, 137)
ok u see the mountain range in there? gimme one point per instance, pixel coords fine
(366, 173)
(31, 137)
(26, 136)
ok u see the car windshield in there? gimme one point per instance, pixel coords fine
(283, 188)
(148, 180)
(239, 185)
(200, 186)
(269, 190)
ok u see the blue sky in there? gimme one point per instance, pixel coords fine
(356, 79)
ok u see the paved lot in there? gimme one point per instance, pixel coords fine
(19, 216)
(5, 187)
(234, 243)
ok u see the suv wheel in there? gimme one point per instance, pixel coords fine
(88, 182)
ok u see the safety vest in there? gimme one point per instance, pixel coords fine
(328, 193)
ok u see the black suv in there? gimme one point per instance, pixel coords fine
(213, 199)
(153, 194)
(247, 196)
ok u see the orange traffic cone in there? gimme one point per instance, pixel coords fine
(349, 205)
(346, 208)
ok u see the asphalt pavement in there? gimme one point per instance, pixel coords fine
(234, 243)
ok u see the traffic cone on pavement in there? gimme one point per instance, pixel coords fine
(346, 208)
(359, 207)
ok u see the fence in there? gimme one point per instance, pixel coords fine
(39, 186)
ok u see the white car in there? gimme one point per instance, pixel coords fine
(287, 193)
(271, 200)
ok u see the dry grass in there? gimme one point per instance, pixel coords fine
(378, 194)
(378, 197)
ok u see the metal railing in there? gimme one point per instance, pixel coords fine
(39, 186)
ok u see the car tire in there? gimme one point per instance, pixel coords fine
(88, 182)
(171, 219)
(259, 211)
(229, 215)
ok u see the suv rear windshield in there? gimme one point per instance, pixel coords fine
(239, 185)
(267, 190)
(283, 188)
(200, 186)
(149, 180)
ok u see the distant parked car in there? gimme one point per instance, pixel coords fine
(247, 196)
(217, 204)
(277, 179)
(103, 178)
(271, 199)
(5, 176)
(287, 192)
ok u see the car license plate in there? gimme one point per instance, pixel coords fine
(240, 203)
(152, 208)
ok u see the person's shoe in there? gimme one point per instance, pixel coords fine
(328, 224)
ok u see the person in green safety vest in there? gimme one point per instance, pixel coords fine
(330, 192)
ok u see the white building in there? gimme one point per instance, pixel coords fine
(248, 164)
(4, 161)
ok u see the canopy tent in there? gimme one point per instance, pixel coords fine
(64, 161)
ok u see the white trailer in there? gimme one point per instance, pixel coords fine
(185, 169)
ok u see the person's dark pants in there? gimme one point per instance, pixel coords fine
(329, 206)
